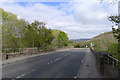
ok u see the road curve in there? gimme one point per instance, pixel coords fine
(64, 64)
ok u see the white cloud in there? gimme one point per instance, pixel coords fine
(77, 19)
(90, 13)
(85, 31)
(35, 0)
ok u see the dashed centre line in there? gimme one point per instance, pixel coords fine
(18, 77)
(82, 61)
(58, 58)
(75, 77)
(24, 74)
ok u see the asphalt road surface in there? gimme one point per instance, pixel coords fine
(64, 64)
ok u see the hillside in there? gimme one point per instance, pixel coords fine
(79, 40)
(107, 43)
(101, 42)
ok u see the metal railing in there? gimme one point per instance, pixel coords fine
(108, 65)
(113, 61)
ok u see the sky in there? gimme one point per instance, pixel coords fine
(78, 18)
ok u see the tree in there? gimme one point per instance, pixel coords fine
(116, 31)
(63, 39)
(37, 35)
(12, 31)
(18, 33)
(60, 38)
(8, 30)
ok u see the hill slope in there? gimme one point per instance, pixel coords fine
(79, 40)
(101, 42)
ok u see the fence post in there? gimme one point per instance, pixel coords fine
(112, 63)
(107, 59)
(6, 56)
(101, 64)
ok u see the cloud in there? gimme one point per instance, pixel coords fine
(78, 19)
(85, 31)
(35, 0)
(91, 12)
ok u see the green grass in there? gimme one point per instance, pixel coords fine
(103, 41)
(113, 49)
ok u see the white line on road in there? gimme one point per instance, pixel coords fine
(18, 77)
(75, 77)
(82, 61)
(25, 74)
(33, 70)
(55, 60)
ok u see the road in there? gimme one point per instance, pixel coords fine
(63, 64)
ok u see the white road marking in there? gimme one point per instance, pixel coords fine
(82, 61)
(55, 60)
(25, 73)
(75, 77)
(33, 70)
(18, 77)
